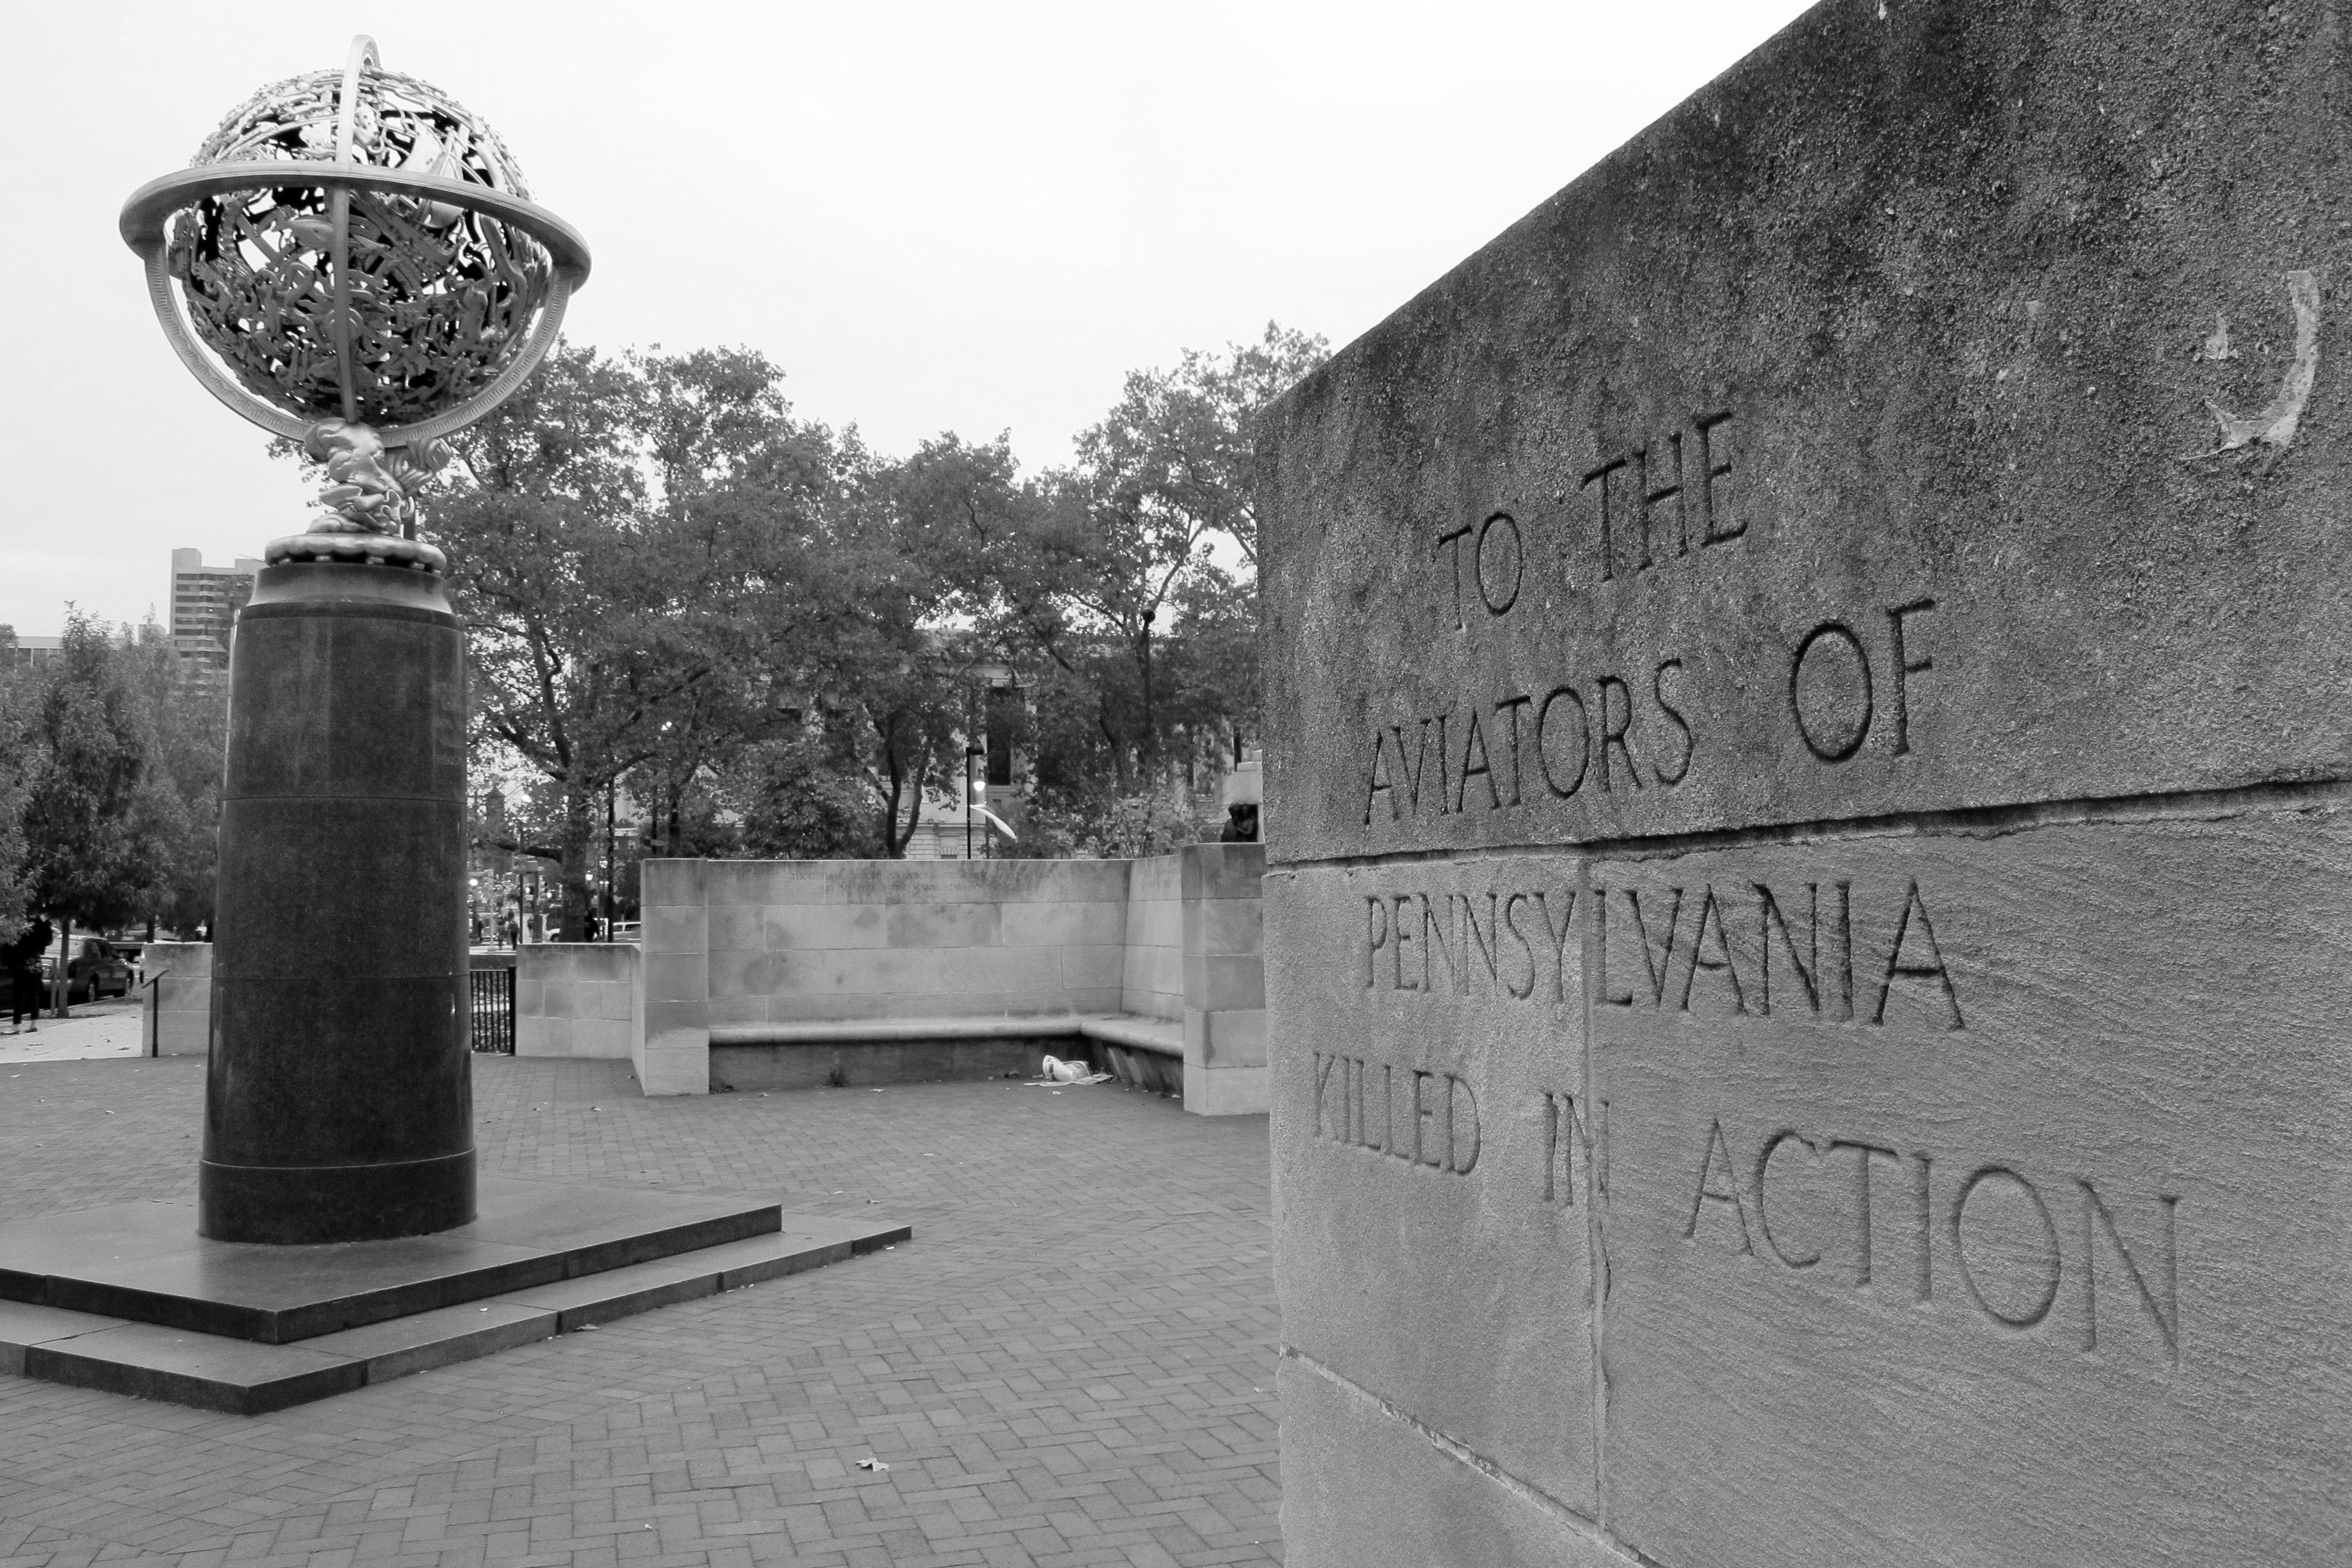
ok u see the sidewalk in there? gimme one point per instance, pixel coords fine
(1071, 1363)
(97, 1029)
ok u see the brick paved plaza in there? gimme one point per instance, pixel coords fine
(1071, 1363)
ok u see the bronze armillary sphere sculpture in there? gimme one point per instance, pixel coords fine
(365, 259)
(362, 271)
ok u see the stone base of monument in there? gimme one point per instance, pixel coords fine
(132, 1299)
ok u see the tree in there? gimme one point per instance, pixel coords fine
(631, 542)
(758, 491)
(1185, 441)
(188, 722)
(100, 818)
(16, 762)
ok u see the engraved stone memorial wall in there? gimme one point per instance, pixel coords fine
(1808, 918)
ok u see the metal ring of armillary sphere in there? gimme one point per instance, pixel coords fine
(363, 262)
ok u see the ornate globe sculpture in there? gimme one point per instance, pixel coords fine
(362, 260)
(352, 261)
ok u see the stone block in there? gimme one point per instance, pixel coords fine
(823, 926)
(604, 1039)
(1365, 1484)
(862, 971)
(1152, 977)
(1080, 923)
(542, 1036)
(1156, 879)
(741, 1010)
(1086, 967)
(676, 929)
(1430, 1121)
(963, 923)
(1225, 1091)
(1999, 1232)
(677, 977)
(737, 928)
(1059, 881)
(1235, 1039)
(683, 883)
(758, 882)
(1154, 923)
(1225, 926)
(662, 1019)
(1219, 985)
(675, 1064)
(744, 973)
(1031, 972)
(888, 882)
(617, 999)
(800, 1007)
(1925, 526)
(1223, 870)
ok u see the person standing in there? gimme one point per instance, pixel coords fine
(23, 957)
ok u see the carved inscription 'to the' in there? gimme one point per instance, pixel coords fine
(1498, 561)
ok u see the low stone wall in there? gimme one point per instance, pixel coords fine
(1224, 980)
(1151, 978)
(578, 999)
(860, 1064)
(177, 1017)
(749, 956)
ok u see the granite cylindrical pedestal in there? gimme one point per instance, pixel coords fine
(337, 1106)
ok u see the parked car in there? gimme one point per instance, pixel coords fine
(97, 969)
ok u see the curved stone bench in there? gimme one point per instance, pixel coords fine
(1146, 1052)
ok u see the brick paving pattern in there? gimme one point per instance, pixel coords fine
(1072, 1362)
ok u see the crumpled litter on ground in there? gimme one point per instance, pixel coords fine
(1059, 1071)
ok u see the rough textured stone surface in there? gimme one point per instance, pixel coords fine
(1958, 276)
(578, 999)
(1871, 555)
(337, 1106)
(1363, 1483)
(1414, 1105)
(2087, 1284)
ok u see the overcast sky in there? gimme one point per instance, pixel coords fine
(969, 218)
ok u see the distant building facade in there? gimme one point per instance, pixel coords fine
(28, 652)
(204, 602)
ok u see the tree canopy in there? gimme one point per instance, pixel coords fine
(773, 640)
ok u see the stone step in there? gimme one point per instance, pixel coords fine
(145, 1262)
(215, 1372)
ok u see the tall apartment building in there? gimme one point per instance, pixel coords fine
(204, 602)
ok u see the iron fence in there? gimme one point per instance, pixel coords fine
(492, 1014)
